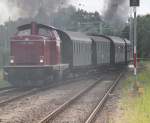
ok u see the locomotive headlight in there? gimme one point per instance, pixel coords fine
(41, 61)
(11, 61)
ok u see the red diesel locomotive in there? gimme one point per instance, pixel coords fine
(35, 55)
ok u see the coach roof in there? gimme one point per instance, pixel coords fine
(127, 41)
(99, 38)
(117, 40)
(79, 36)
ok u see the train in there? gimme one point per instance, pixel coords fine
(41, 54)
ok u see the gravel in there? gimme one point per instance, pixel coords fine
(111, 110)
(32, 108)
(80, 109)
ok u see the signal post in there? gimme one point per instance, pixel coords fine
(134, 4)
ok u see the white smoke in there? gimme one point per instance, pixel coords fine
(14, 9)
(8, 11)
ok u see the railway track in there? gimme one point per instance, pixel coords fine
(6, 93)
(14, 95)
(56, 113)
(102, 101)
(7, 90)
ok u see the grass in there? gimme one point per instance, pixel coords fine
(136, 109)
(3, 83)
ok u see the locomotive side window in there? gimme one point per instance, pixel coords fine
(56, 35)
(44, 32)
(24, 32)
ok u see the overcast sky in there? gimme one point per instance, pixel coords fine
(97, 5)
(89, 5)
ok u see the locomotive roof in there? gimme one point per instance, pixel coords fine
(79, 36)
(26, 26)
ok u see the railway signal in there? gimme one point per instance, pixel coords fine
(135, 4)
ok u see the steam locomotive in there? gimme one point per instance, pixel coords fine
(42, 54)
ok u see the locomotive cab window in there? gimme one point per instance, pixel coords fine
(44, 32)
(24, 32)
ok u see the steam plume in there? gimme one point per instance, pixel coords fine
(116, 12)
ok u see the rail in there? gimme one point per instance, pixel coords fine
(103, 100)
(63, 106)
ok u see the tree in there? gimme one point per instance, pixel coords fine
(125, 32)
(143, 33)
